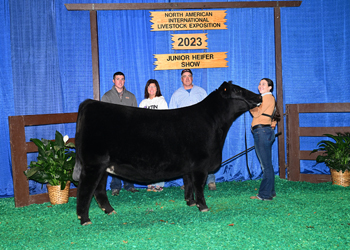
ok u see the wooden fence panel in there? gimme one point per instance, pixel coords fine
(294, 132)
(20, 148)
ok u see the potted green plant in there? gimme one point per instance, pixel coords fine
(54, 165)
(336, 156)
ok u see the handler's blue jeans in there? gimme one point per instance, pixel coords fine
(263, 140)
(116, 183)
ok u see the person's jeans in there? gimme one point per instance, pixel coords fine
(116, 183)
(211, 178)
(263, 140)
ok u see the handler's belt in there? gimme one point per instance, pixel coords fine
(260, 126)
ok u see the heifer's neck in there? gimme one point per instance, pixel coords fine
(224, 111)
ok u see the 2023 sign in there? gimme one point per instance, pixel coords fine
(189, 41)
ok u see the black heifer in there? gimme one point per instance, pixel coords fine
(147, 146)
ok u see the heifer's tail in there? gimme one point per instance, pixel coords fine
(78, 164)
(76, 171)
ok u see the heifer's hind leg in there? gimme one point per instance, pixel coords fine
(189, 197)
(199, 180)
(89, 179)
(101, 195)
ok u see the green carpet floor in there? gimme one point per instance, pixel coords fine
(302, 216)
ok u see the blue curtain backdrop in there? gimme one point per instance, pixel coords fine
(46, 66)
(6, 100)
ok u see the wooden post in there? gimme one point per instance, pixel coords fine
(19, 156)
(293, 142)
(95, 55)
(279, 90)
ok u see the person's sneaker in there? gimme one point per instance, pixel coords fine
(158, 189)
(115, 192)
(212, 186)
(259, 198)
(150, 188)
(133, 190)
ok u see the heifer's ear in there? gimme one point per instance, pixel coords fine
(225, 90)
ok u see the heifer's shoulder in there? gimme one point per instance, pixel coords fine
(89, 104)
(86, 103)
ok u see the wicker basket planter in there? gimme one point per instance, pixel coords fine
(340, 178)
(336, 155)
(58, 196)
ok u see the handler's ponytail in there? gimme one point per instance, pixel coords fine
(276, 114)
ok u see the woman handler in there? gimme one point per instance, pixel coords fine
(264, 121)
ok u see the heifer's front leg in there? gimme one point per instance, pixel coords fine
(189, 197)
(199, 180)
(89, 179)
(101, 195)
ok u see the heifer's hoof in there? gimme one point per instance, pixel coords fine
(86, 223)
(191, 203)
(113, 212)
(109, 210)
(203, 208)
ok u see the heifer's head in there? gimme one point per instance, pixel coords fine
(248, 99)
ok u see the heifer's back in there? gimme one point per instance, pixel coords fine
(146, 145)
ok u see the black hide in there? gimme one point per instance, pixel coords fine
(148, 146)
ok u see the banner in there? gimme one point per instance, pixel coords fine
(191, 60)
(188, 20)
